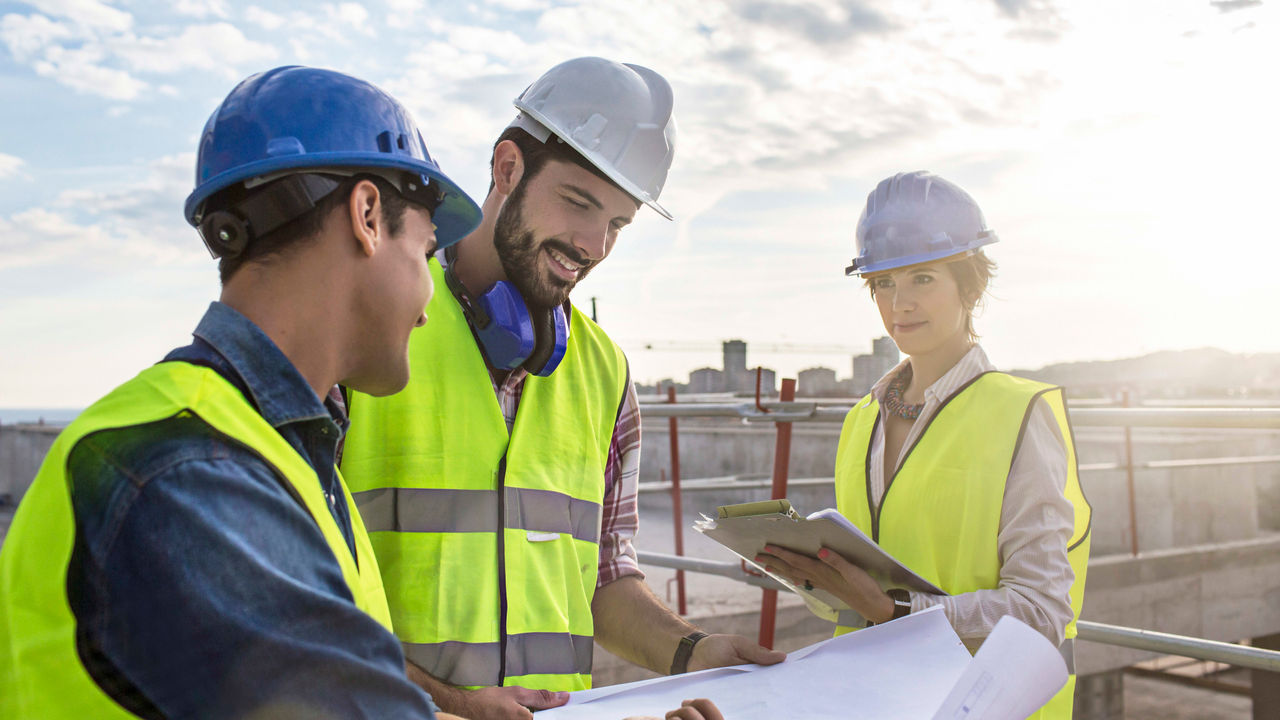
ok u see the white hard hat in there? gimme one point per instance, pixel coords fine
(617, 116)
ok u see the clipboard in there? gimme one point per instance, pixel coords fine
(746, 528)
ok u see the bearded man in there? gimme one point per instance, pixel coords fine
(499, 488)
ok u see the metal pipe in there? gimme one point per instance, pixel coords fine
(1102, 633)
(732, 570)
(703, 484)
(781, 464)
(677, 508)
(1138, 639)
(1218, 418)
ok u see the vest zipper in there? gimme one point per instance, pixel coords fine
(502, 569)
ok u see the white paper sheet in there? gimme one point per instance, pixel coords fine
(1015, 672)
(914, 668)
(903, 669)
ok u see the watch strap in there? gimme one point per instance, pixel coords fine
(901, 602)
(684, 651)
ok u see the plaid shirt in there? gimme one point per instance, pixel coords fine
(622, 471)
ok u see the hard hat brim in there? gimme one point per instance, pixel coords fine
(919, 259)
(456, 216)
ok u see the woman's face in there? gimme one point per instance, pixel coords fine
(921, 308)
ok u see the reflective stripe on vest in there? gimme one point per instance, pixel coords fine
(940, 514)
(40, 670)
(488, 541)
(442, 510)
(473, 664)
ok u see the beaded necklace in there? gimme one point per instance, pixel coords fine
(893, 397)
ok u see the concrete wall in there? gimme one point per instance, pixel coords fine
(1175, 508)
(1227, 592)
(22, 449)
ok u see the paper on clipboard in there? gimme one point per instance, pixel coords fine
(745, 532)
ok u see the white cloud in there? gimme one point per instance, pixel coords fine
(201, 8)
(352, 14)
(27, 35)
(83, 69)
(88, 13)
(263, 19)
(9, 165)
(521, 5)
(218, 46)
(138, 221)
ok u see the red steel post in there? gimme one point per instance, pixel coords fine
(1128, 468)
(781, 461)
(677, 509)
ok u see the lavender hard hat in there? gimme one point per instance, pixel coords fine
(914, 218)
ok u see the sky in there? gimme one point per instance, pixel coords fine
(1124, 152)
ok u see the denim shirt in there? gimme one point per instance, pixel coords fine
(201, 587)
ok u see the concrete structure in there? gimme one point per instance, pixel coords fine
(817, 382)
(867, 369)
(706, 380)
(735, 357)
(885, 347)
(22, 449)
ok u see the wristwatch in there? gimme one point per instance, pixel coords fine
(684, 651)
(901, 603)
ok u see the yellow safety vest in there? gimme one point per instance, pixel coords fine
(940, 515)
(41, 675)
(488, 541)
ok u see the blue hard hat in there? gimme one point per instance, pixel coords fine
(301, 118)
(917, 217)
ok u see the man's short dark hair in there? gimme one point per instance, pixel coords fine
(536, 154)
(305, 227)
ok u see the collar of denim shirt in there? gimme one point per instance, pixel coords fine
(279, 391)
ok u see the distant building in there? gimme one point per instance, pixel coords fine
(817, 382)
(735, 357)
(706, 380)
(886, 348)
(867, 369)
(768, 382)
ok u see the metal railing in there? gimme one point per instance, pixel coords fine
(1119, 417)
(1135, 638)
(785, 412)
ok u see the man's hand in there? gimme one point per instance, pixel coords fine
(504, 703)
(507, 703)
(721, 650)
(700, 709)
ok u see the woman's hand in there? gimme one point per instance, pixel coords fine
(831, 572)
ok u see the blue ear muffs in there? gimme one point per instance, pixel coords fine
(512, 336)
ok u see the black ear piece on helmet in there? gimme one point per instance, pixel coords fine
(225, 233)
(228, 231)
